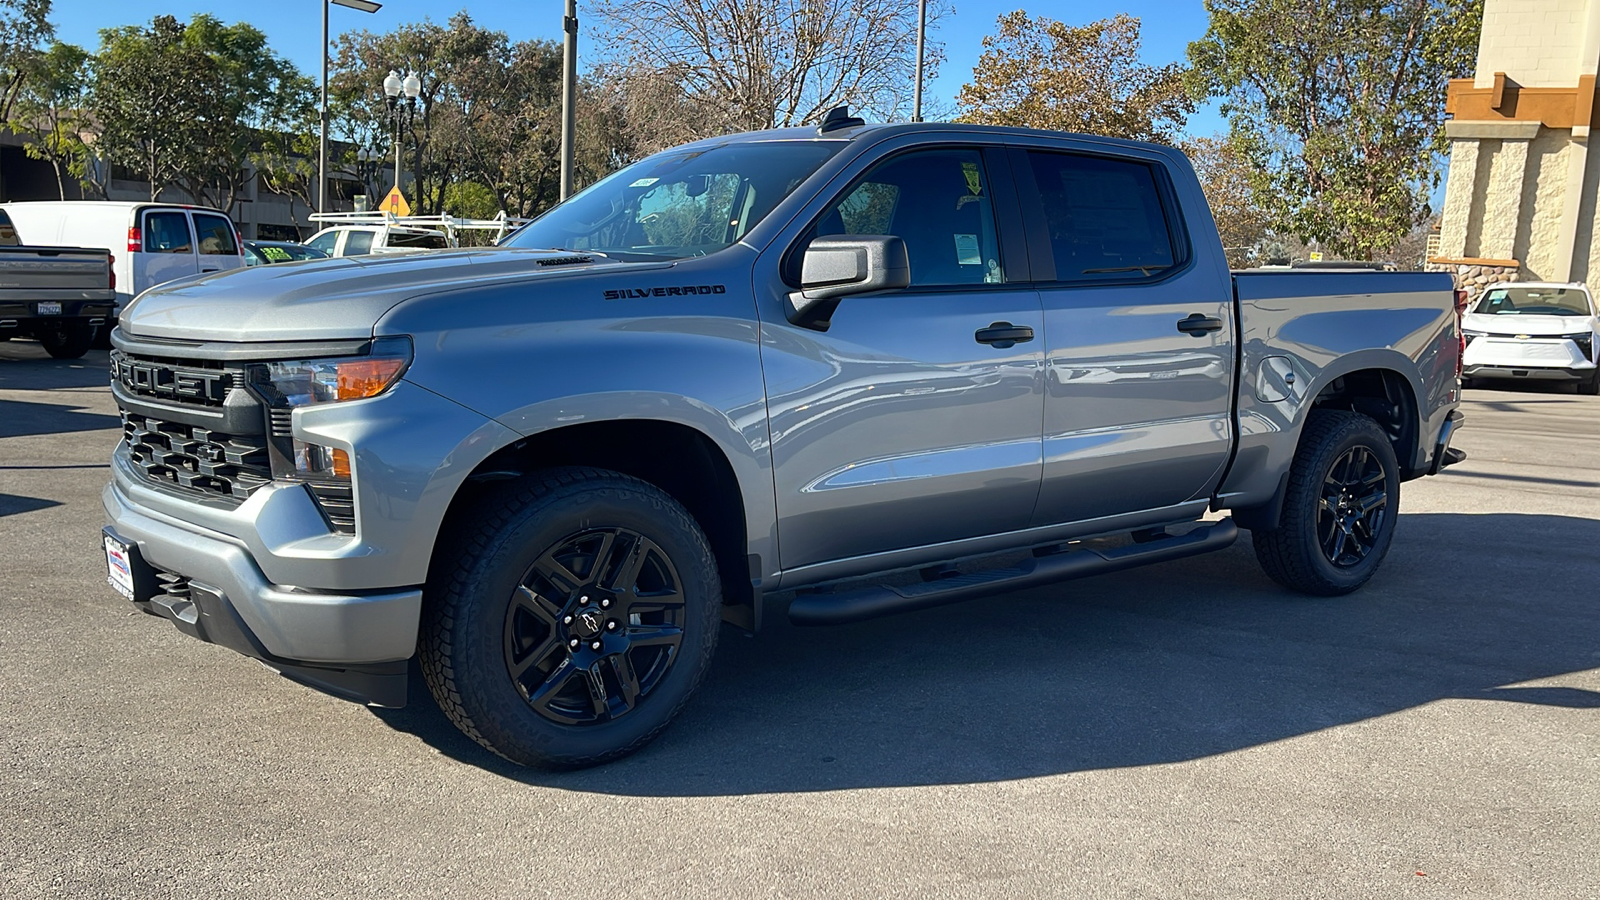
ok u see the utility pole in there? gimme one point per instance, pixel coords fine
(569, 93)
(922, 28)
(322, 144)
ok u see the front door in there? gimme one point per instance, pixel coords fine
(906, 422)
(1139, 359)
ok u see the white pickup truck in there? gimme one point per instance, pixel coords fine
(56, 295)
(367, 233)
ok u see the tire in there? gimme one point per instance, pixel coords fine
(1467, 383)
(1590, 385)
(543, 564)
(1305, 553)
(70, 342)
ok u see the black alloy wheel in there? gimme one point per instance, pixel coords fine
(568, 616)
(1354, 505)
(1340, 507)
(593, 626)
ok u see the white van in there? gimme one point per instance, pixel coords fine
(150, 243)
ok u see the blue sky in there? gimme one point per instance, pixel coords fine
(294, 27)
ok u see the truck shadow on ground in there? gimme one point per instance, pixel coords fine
(24, 365)
(1158, 665)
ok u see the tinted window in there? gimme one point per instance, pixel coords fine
(938, 202)
(678, 203)
(324, 242)
(216, 235)
(431, 240)
(167, 232)
(1105, 216)
(8, 234)
(358, 243)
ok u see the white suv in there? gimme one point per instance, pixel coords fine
(1532, 331)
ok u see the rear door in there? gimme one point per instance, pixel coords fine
(168, 249)
(1139, 334)
(217, 242)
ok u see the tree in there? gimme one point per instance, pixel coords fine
(699, 68)
(24, 29)
(185, 105)
(1225, 178)
(1338, 107)
(1041, 73)
(48, 112)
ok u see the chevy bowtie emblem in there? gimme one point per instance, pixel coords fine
(1522, 337)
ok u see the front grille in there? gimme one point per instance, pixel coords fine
(186, 382)
(197, 459)
(338, 505)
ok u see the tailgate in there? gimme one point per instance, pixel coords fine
(55, 273)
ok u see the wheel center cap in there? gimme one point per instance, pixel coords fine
(587, 623)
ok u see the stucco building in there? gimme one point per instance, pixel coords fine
(1520, 200)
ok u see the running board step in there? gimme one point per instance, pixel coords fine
(883, 600)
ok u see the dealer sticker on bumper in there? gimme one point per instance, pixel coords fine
(118, 571)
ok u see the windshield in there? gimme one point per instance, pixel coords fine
(1529, 301)
(678, 203)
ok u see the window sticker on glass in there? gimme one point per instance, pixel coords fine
(967, 250)
(644, 182)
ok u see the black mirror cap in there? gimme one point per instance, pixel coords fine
(834, 267)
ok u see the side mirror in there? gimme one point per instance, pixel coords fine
(835, 267)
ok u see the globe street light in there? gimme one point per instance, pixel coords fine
(366, 6)
(400, 96)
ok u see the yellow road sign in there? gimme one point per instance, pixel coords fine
(396, 203)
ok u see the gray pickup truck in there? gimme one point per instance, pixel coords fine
(776, 366)
(59, 296)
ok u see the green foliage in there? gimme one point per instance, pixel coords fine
(24, 29)
(1338, 106)
(183, 104)
(1041, 73)
(470, 200)
(49, 109)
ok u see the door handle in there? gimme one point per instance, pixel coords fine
(1198, 324)
(1003, 335)
(208, 270)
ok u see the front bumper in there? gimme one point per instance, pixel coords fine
(1528, 373)
(353, 645)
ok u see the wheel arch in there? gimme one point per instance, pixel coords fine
(678, 458)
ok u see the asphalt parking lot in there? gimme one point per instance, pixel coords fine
(1187, 730)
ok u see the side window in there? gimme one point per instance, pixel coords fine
(358, 243)
(939, 203)
(216, 235)
(167, 232)
(8, 234)
(324, 241)
(426, 240)
(1105, 216)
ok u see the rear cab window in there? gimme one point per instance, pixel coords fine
(8, 232)
(167, 232)
(1108, 219)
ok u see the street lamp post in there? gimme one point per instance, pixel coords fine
(922, 31)
(400, 95)
(366, 6)
(367, 161)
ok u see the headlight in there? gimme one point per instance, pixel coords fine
(1470, 336)
(1585, 342)
(311, 381)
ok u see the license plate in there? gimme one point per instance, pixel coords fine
(119, 571)
(50, 308)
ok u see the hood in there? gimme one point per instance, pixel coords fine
(323, 299)
(1532, 326)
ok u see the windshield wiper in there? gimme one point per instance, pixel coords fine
(1145, 269)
